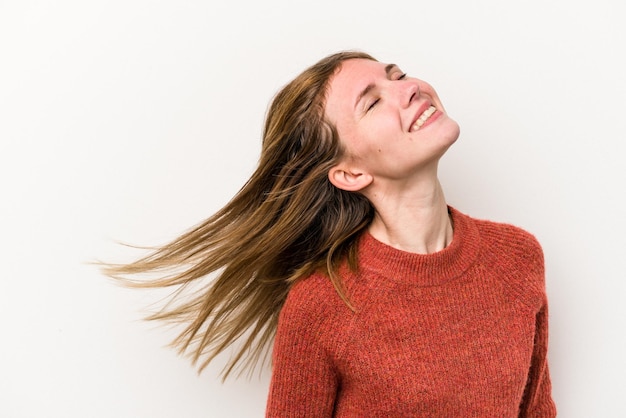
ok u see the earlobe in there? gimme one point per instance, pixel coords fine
(348, 180)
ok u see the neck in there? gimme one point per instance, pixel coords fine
(414, 220)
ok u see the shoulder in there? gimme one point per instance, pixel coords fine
(513, 240)
(516, 256)
(312, 302)
(312, 318)
(312, 291)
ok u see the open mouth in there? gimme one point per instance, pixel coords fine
(423, 118)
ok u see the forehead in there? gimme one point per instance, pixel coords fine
(354, 74)
(348, 82)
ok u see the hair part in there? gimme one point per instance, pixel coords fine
(285, 223)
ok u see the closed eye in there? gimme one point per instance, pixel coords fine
(374, 103)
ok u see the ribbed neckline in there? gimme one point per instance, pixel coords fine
(423, 269)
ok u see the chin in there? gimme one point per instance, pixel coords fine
(450, 132)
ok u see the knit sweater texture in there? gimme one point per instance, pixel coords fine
(462, 332)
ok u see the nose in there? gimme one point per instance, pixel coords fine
(409, 92)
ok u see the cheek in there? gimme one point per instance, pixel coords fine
(382, 133)
(355, 149)
(372, 137)
(374, 147)
(351, 139)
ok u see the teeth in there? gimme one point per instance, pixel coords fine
(423, 118)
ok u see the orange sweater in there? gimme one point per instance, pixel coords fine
(458, 333)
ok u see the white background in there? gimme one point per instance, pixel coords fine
(134, 120)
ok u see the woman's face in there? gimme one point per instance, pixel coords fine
(391, 125)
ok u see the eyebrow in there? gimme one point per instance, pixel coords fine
(371, 86)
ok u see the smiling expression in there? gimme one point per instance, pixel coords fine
(391, 126)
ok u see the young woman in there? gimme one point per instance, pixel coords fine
(381, 300)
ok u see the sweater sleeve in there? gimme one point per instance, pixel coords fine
(537, 401)
(518, 257)
(304, 382)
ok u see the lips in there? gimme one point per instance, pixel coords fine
(423, 114)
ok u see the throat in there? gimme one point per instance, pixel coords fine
(430, 235)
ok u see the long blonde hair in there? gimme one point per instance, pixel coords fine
(286, 222)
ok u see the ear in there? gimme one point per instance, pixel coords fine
(349, 179)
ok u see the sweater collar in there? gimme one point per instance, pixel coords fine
(396, 265)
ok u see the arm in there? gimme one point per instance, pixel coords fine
(520, 260)
(304, 382)
(537, 401)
